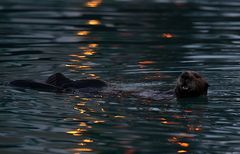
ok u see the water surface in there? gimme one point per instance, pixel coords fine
(135, 45)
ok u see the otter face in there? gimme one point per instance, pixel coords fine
(191, 84)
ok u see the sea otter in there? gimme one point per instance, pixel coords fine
(189, 84)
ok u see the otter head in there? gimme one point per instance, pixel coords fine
(191, 84)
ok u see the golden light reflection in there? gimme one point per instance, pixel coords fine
(87, 141)
(74, 66)
(92, 75)
(83, 33)
(146, 62)
(77, 132)
(72, 132)
(194, 128)
(118, 116)
(182, 151)
(176, 140)
(198, 129)
(93, 3)
(166, 122)
(89, 52)
(98, 121)
(167, 35)
(93, 45)
(82, 57)
(84, 67)
(83, 48)
(82, 144)
(183, 144)
(94, 22)
(74, 60)
(82, 150)
(78, 56)
(80, 104)
(82, 124)
(81, 111)
(85, 99)
(143, 64)
(79, 61)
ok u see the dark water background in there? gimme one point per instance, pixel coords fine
(136, 44)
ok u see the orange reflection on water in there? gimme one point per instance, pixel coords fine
(83, 48)
(83, 33)
(81, 150)
(82, 144)
(82, 111)
(93, 3)
(94, 22)
(198, 129)
(74, 60)
(74, 66)
(82, 124)
(79, 105)
(175, 140)
(93, 75)
(146, 62)
(98, 121)
(143, 64)
(165, 121)
(87, 141)
(93, 45)
(89, 52)
(194, 128)
(182, 151)
(77, 56)
(167, 35)
(77, 132)
(183, 144)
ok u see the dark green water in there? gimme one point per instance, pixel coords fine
(136, 44)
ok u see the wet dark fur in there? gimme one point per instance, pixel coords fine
(59, 80)
(59, 83)
(191, 84)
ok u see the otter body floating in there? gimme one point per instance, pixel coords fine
(59, 83)
(189, 84)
